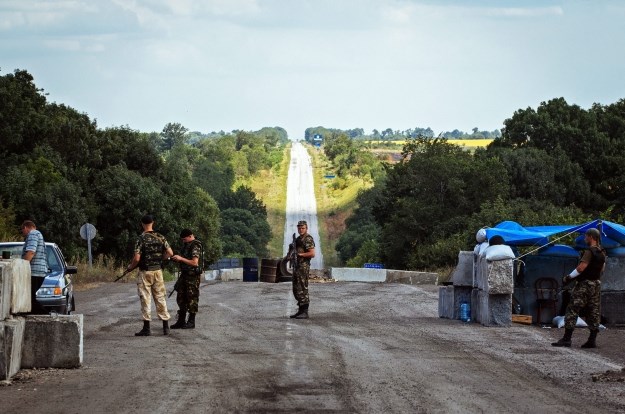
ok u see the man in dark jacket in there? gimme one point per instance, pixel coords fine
(587, 292)
(188, 285)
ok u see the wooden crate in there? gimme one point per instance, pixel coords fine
(524, 319)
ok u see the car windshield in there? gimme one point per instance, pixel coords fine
(16, 252)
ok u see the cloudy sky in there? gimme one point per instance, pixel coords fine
(244, 64)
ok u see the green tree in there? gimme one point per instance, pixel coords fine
(173, 134)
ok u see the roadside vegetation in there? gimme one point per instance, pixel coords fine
(557, 164)
(411, 205)
(62, 171)
(270, 187)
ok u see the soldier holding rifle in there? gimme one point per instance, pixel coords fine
(305, 247)
(188, 283)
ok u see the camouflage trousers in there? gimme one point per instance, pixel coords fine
(150, 284)
(188, 293)
(586, 295)
(300, 283)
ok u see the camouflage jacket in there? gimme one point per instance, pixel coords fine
(151, 246)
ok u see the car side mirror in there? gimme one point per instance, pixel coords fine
(70, 270)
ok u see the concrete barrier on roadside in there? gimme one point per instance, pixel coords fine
(351, 274)
(211, 275)
(411, 278)
(11, 339)
(495, 277)
(463, 272)
(227, 275)
(15, 285)
(5, 291)
(53, 341)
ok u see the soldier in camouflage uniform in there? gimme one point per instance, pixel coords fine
(188, 285)
(305, 246)
(151, 249)
(587, 292)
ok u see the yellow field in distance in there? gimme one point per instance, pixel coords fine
(471, 142)
(474, 143)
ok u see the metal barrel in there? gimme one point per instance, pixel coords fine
(250, 269)
(269, 270)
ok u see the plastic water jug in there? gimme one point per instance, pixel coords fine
(465, 312)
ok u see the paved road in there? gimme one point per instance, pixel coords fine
(300, 201)
(368, 348)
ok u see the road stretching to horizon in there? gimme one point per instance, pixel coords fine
(300, 201)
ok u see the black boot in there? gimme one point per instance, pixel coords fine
(303, 312)
(190, 323)
(592, 340)
(146, 329)
(181, 320)
(566, 339)
(166, 327)
(298, 313)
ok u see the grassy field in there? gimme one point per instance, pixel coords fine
(270, 187)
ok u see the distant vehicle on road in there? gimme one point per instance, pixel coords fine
(57, 292)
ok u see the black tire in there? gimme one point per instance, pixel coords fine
(285, 269)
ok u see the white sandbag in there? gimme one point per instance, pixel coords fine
(559, 322)
(481, 248)
(498, 252)
(480, 236)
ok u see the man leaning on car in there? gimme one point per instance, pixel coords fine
(34, 251)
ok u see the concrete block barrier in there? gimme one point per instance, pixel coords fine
(348, 274)
(15, 273)
(463, 273)
(411, 278)
(5, 291)
(211, 275)
(495, 277)
(11, 339)
(494, 310)
(53, 341)
(450, 298)
(445, 302)
(227, 275)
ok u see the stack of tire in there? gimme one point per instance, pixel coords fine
(275, 270)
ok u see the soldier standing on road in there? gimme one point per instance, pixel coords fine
(587, 292)
(150, 251)
(34, 251)
(305, 246)
(188, 285)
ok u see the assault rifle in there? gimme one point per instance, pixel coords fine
(175, 285)
(292, 254)
(125, 273)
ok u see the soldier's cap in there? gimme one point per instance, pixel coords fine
(185, 233)
(302, 223)
(147, 219)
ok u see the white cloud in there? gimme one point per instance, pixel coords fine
(226, 64)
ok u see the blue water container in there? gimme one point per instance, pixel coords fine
(465, 312)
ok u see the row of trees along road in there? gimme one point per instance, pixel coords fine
(61, 170)
(557, 164)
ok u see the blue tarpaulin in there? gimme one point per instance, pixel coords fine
(516, 235)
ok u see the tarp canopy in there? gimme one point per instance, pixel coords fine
(516, 235)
